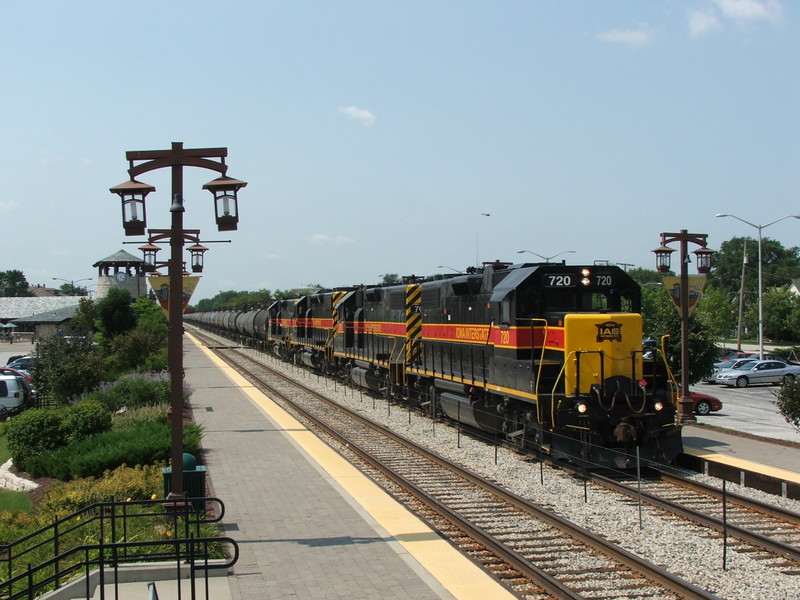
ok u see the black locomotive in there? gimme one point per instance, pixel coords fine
(547, 354)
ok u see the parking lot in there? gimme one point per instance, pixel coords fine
(749, 410)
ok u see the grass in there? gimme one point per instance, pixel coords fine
(4, 453)
(9, 500)
(14, 501)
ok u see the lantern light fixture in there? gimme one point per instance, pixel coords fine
(196, 251)
(132, 193)
(663, 258)
(226, 205)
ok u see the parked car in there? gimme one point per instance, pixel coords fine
(17, 373)
(23, 362)
(703, 404)
(731, 364)
(731, 355)
(14, 357)
(15, 395)
(760, 371)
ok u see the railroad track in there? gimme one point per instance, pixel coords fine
(535, 552)
(755, 526)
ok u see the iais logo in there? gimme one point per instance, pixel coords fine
(610, 331)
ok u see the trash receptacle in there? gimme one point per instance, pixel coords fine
(194, 481)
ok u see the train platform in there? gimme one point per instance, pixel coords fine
(769, 465)
(309, 524)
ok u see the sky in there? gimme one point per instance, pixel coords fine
(404, 137)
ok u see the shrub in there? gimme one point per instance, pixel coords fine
(134, 349)
(140, 416)
(33, 432)
(84, 419)
(788, 402)
(67, 368)
(141, 445)
(137, 483)
(133, 392)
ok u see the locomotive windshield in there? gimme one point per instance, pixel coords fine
(577, 289)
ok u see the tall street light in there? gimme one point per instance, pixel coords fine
(133, 193)
(760, 275)
(663, 255)
(71, 282)
(546, 259)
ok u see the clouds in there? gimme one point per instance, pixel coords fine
(634, 37)
(366, 118)
(702, 22)
(710, 17)
(750, 10)
(321, 239)
(736, 12)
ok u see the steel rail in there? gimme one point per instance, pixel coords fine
(751, 537)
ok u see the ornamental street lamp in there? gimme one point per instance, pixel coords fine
(196, 251)
(760, 276)
(133, 193)
(663, 255)
(546, 259)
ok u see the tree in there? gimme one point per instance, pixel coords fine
(67, 368)
(150, 317)
(115, 314)
(390, 279)
(719, 310)
(13, 284)
(779, 266)
(83, 321)
(645, 277)
(661, 317)
(781, 315)
(70, 289)
(788, 402)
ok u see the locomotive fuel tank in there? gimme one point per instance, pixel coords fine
(475, 413)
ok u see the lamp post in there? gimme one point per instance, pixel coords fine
(760, 275)
(71, 283)
(546, 259)
(451, 268)
(133, 193)
(685, 406)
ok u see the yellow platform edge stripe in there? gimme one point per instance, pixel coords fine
(743, 464)
(454, 571)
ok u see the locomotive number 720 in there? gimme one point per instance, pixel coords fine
(559, 280)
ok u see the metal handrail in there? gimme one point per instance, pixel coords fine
(99, 556)
(102, 519)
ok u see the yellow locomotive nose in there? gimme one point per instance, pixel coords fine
(599, 346)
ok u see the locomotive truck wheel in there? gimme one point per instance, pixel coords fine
(742, 382)
(702, 407)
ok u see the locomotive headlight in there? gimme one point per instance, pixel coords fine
(658, 406)
(582, 408)
(586, 277)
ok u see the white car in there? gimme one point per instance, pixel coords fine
(15, 395)
(727, 365)
(760, 371)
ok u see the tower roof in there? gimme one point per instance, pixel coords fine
(119, 258)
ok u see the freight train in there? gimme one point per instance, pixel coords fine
(548, 355)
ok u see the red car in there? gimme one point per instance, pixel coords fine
(704, 404)
(9, 371)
